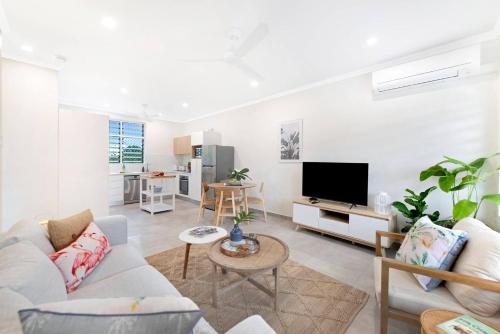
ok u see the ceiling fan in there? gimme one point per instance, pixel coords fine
(235, 54)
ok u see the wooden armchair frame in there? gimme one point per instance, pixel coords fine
(386, 311)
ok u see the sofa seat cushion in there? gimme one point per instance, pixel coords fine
(26, 270)
(10, 303)
(144, 281)
(28, 230)
(122, 258)
(406, 294)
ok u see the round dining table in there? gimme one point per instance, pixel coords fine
(224, 191)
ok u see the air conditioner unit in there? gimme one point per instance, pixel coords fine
(435, 69)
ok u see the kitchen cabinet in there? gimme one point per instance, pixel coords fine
(182, 145)
(195, 180)
(116, 189)
(205, 138)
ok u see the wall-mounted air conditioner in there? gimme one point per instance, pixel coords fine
(444, 67)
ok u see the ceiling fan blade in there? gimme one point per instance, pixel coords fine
(250, 72)
(253, 40)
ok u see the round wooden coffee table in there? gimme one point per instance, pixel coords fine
(272, 254)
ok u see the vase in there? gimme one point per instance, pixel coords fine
(236, 234)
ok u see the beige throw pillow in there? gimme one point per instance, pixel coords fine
(63, 232)
(480, 258)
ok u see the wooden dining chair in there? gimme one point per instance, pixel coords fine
(206, 200)
(259, 200)
(228, 204)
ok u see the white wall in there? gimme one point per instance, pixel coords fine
(398, 137)
(158, 146)
(29, 142)
(83, 163)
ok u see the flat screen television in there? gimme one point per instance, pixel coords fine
(336, 181)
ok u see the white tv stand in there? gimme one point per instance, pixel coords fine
(357, 224)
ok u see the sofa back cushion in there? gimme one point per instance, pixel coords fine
(28, 230)
(480, 258)
(429, 245)
(26, 270)
(10, 303)
(81, 257)
(125, 315)
(63, 232)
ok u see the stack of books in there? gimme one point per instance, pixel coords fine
(465, 324)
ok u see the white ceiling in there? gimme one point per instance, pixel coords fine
(308, 41)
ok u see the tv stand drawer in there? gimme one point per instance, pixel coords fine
(305, 215)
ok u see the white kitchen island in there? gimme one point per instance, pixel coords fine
(157, 189)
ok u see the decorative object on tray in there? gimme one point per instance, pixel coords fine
(291, 141)
(237, 176)
(419, 204)
(202, 231)
(236, 234)
(465, 324)
(246, 247)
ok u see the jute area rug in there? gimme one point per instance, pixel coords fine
(310, 302)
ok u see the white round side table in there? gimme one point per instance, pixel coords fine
(195, 240)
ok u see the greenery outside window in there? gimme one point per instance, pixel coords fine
(126, 142)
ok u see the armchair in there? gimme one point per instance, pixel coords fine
(400, 296)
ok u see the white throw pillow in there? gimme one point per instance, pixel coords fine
(28, 230)
(480, 258)
(147, 315)
(26, 270)
(10, 303)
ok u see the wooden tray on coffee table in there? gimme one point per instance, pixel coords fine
(250, 247)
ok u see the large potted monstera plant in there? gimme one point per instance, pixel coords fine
(461, 181)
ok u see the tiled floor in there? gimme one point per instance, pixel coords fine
(348, 263)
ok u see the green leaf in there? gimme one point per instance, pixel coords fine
(434, 216)
(464, 208)
(426, 192)
(492, 197)
(435, 170)
(461, 163)
(402, 208)
(412, 202)
(446, 182)
(411, 192)
(478, 163)
(467, 180)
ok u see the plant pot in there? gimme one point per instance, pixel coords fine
(233, 182)
(236, 235)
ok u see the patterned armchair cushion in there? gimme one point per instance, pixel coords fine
(149, 315)
(80, 258)
(432, 246)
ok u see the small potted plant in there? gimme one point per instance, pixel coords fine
(236, 234)
(237, 176)
(417, 201)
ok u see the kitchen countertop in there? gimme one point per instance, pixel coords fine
(141, 173)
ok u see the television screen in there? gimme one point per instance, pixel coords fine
(336, 181)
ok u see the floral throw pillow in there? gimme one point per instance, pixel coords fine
(80, 258)
(431, 246)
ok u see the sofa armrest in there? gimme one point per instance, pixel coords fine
(378, 243)
(114, 227)
(252, 325)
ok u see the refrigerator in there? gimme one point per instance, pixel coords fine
(217, 163)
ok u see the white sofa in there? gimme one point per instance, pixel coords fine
(122, 273)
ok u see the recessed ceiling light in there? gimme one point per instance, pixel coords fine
(254, 83)
(108, 22)
(26, 48)
(124, 90)
(372, 41)
(185, 105)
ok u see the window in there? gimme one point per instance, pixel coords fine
(126, 142)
